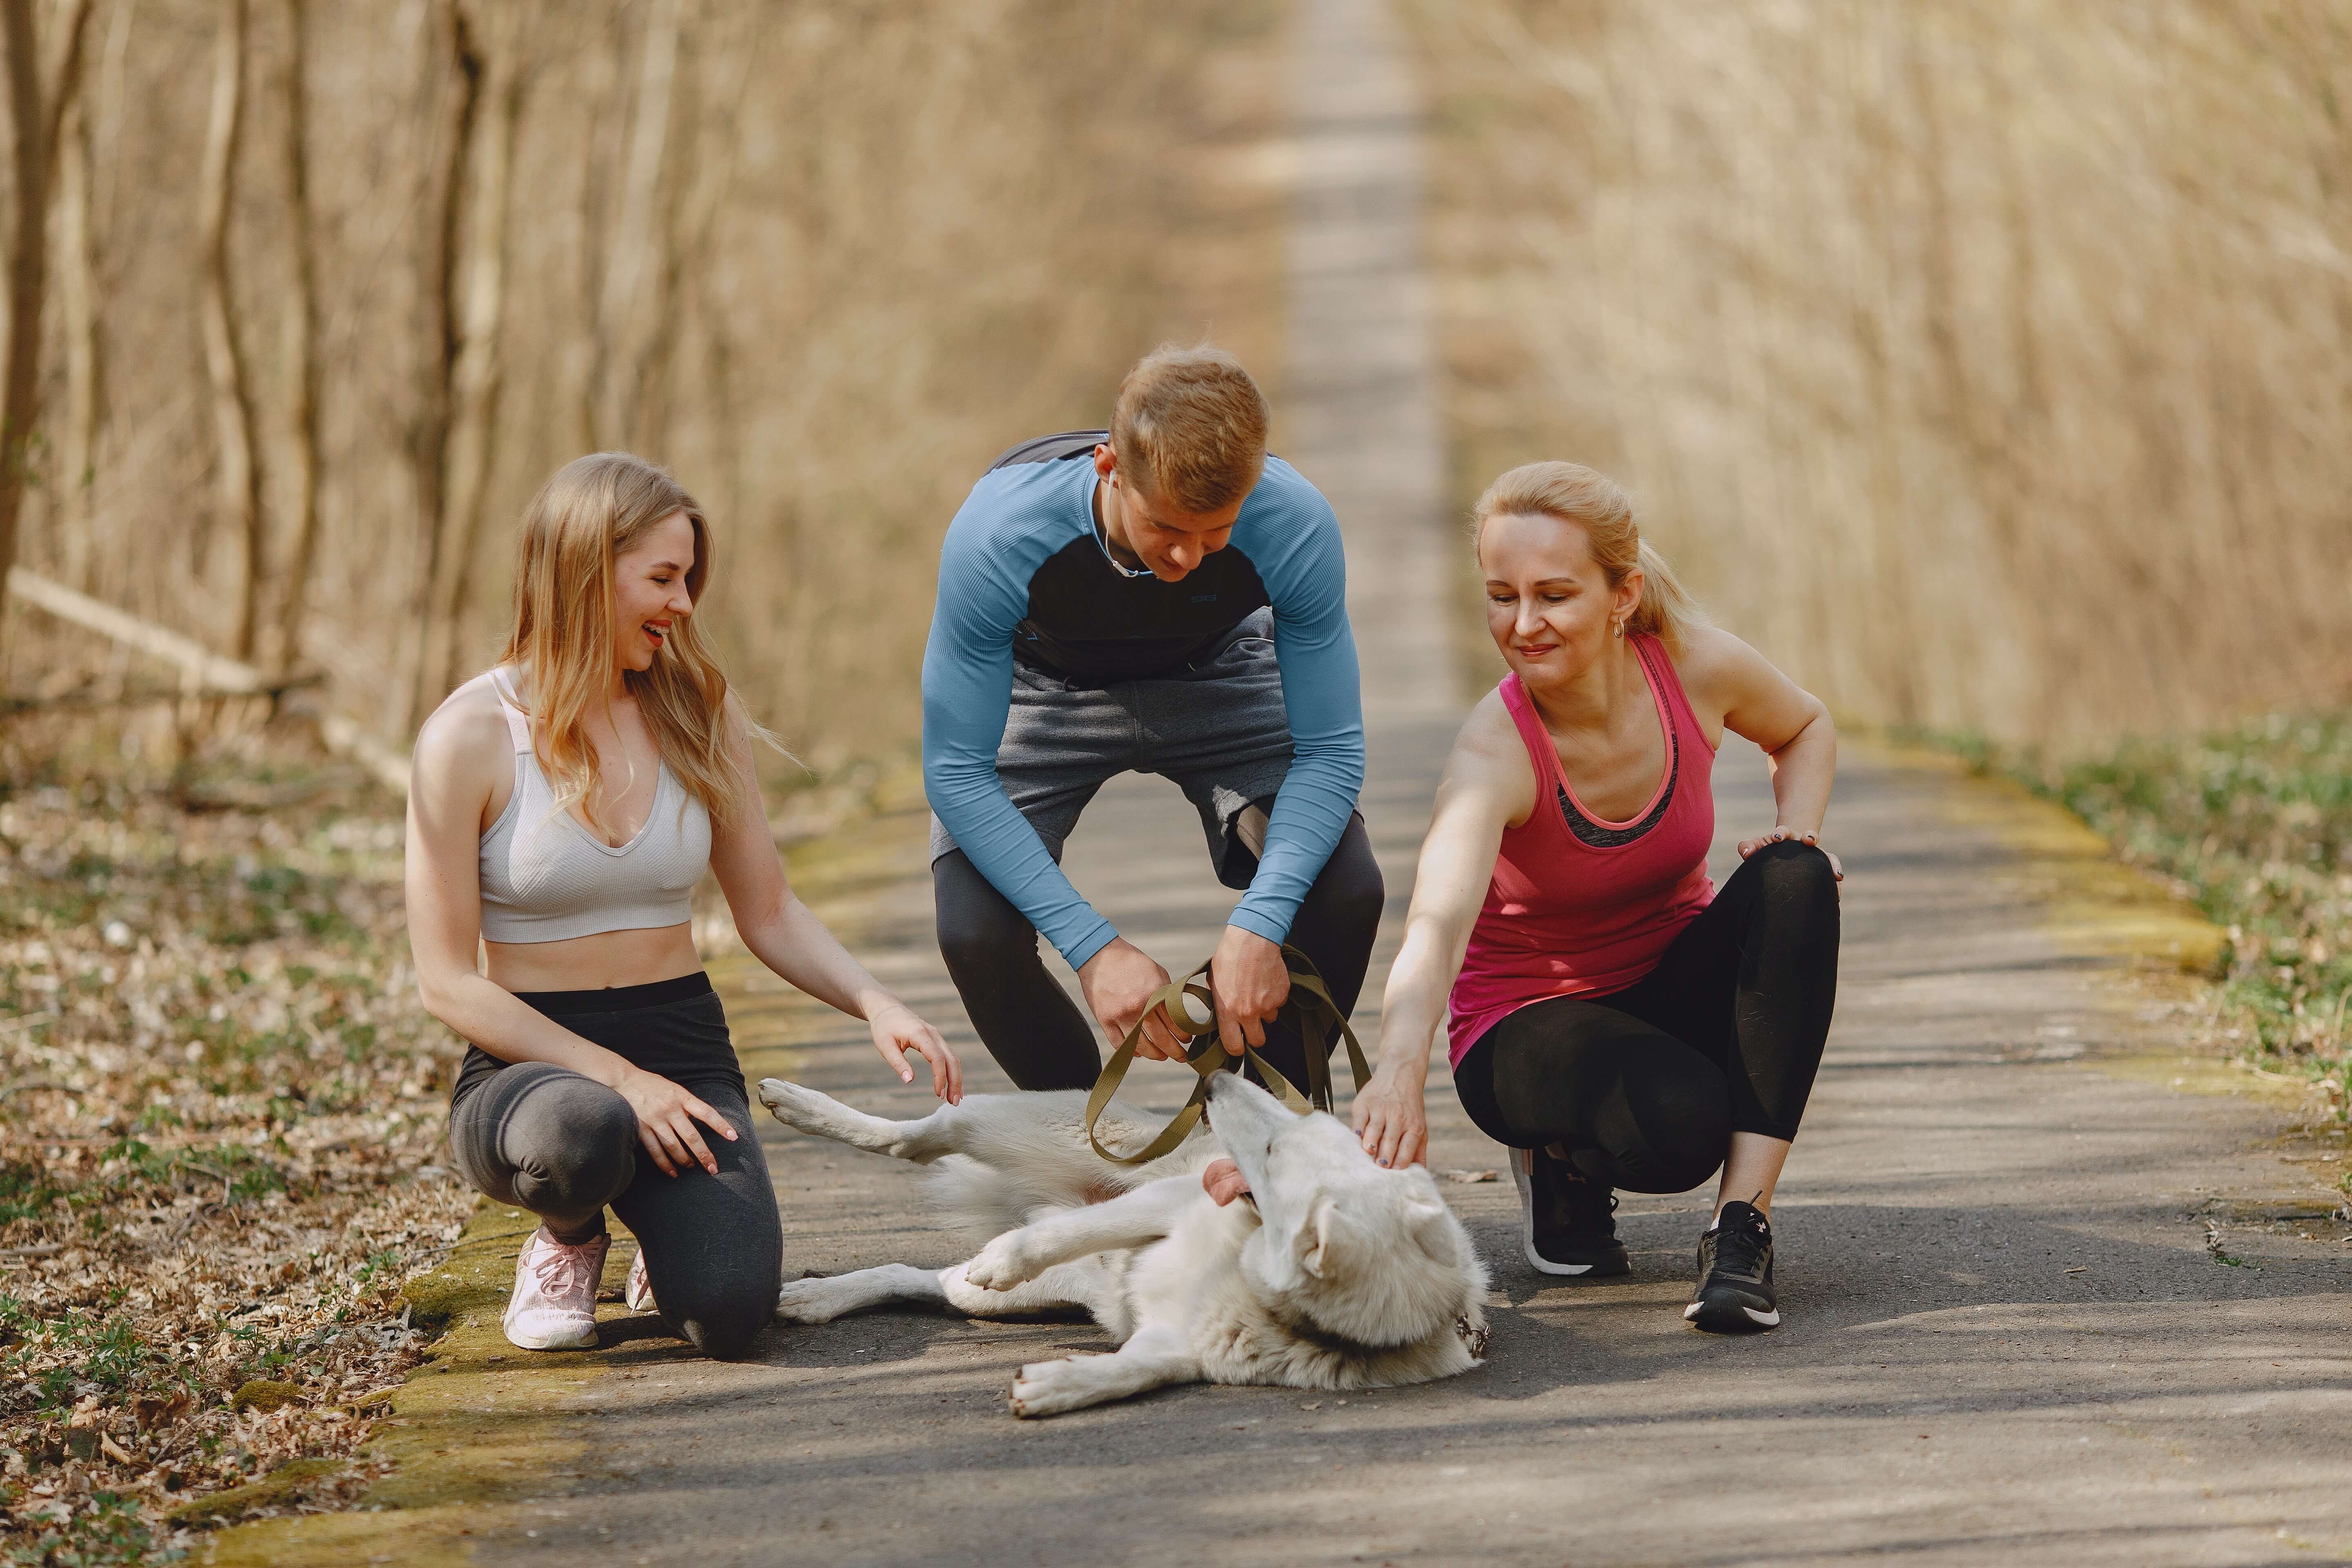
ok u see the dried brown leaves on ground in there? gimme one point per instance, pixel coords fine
(221, 1108)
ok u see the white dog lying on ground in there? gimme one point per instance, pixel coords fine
(1341, 1275)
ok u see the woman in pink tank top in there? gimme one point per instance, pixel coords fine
(1612, 1017)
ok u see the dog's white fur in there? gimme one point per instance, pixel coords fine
(1342, 1276)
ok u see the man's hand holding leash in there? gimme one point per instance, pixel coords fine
(1251, 980)
(1119, 982)
(1252, 983)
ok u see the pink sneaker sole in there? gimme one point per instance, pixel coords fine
(638, 1294)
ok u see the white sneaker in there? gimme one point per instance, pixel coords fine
(638, 1295)
(555, 1303)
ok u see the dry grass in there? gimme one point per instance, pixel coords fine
(1988, 363)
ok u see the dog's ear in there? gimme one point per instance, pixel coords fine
(1429, 1220)
(1316, 1236)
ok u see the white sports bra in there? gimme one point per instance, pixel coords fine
(547, 879)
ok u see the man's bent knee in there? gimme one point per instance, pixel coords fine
(978, 926)
(1351, 883)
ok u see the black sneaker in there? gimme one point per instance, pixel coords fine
(1735, 1274)
(1567, 1223)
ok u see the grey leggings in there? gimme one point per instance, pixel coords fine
(545, 1139)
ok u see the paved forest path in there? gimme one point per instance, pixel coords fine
(2007, 1341)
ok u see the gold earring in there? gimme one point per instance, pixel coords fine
(1617, 627)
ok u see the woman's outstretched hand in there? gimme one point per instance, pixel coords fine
(666, 1117)
(897, 1031)
(1781, 834)
(1392, 1121)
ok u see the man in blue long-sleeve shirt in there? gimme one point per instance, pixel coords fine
(1158, 597)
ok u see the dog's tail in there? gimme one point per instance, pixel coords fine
(985, 1200)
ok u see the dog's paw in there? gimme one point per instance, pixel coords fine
(999, 1265)
(809, 1301)
(1051, 1387)
(790, 1103)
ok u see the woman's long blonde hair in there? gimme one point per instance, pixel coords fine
(1574, 493)
(590, 512)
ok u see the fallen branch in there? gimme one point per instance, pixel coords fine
(213, 675)
(138, 696)
(209, 669)
(345, 737)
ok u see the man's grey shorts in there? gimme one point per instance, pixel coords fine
(1219, 730)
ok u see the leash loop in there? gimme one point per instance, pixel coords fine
(1310, 1002)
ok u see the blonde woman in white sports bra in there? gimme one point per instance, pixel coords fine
(563, 808)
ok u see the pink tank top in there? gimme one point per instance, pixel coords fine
(1580, 906)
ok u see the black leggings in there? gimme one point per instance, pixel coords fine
(1038, 1035)
(1643, 1087)
(546, 1139)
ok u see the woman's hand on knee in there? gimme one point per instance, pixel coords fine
(897, 1031)
(1392, 1121)
(666, 1118)
(1783, 834)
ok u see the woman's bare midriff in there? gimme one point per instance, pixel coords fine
(594, 963)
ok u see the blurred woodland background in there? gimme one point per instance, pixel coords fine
(1985, 361)
(1988, 362)
(332, 288)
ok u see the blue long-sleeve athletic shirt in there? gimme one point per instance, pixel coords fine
(1024, 575)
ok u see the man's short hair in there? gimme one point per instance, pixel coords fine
(1191, 427)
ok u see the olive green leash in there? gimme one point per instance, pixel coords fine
(1310, 1001)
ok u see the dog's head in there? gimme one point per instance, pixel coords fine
(1374, 1256)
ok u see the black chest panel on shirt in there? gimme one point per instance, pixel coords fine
(1092, 624)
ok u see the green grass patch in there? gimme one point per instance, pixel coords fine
(2255, 825)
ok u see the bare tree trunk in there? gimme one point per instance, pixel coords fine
(301, 349)
(78, 295)
(626, 324)
(429, 434)
(106, 147)
(239, 456)
(34, 115)
(478, 378)
(718, 104)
